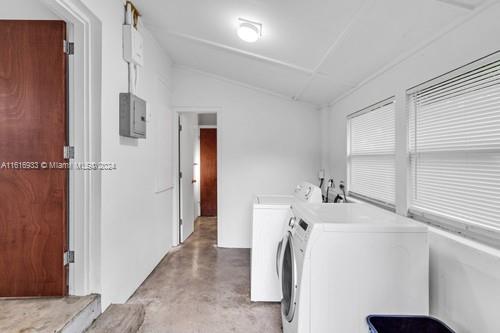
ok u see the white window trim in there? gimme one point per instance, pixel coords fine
(372, 107)
(471, 231)
(362, 198)
(455, 72)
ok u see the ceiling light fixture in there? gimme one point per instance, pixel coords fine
(249, 31)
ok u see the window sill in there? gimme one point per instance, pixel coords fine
(465, 241)
(356, 199)
(471, 242)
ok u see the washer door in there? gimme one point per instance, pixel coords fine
(278, 257)
(288, 279)
(279, 254)
(281, 246)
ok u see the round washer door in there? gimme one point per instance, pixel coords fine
(281, 246)
(288, 279)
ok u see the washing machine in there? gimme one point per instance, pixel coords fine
(270, 214)
(343, 262)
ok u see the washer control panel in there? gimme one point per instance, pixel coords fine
(302, 229)
(303, 224)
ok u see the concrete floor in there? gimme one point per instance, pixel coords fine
(48, 314)
(199, 288)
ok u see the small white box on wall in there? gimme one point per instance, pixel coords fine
(133, 45)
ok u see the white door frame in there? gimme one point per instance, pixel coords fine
(194, 109)
(84, 126)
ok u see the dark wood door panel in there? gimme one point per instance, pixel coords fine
(208, 171)
(33, 203)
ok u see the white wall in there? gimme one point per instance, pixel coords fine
(465, 276)
(136, 221)
(26, 9)
(266, 145)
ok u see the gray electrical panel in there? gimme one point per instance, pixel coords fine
(132, 116)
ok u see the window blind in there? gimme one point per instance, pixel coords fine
(371, 153)
(454, 145)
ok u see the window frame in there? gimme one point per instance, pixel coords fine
(380, 203)
(484, 234)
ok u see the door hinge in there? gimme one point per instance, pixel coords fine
(69, 47)
(180, 127)
(69, 257)
(180, 221)
(69, 152)
(180, 174)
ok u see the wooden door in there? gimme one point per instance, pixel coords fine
(33, 196)
(208, 171)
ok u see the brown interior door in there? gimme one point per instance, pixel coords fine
(208, 171)
(33, 199)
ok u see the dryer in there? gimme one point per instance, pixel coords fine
(270, 214)
(343, 262)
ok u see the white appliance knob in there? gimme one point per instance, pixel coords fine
(291, 222)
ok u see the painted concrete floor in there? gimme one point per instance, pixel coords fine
(199, 288)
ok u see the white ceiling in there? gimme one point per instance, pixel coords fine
(311, 50)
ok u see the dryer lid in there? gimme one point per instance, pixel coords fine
(274, 200)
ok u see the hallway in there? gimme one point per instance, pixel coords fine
(199, 288)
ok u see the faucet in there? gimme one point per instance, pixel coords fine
(342, 188)
(330, 185)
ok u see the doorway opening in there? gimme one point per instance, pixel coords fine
(197, 151)
(208, 172)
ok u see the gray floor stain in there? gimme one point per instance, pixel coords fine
(199, 288)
